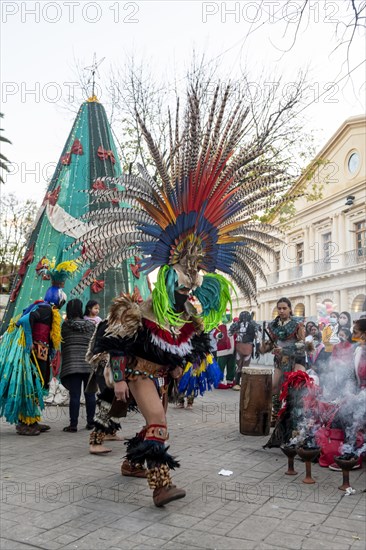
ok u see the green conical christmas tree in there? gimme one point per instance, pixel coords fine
(89, 154)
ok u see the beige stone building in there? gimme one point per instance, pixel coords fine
(323, 257)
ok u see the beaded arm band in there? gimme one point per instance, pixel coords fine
(118, 366)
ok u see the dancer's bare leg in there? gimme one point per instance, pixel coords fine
(148, 400)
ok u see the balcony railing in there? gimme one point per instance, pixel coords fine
(351, 258)
(321, 266)
(355, 257)
(295, 272)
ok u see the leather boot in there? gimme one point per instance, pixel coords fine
(133, 470)
(160, 481)
(163, 495)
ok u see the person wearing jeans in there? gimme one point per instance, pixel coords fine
(76, 333)
(73, 383)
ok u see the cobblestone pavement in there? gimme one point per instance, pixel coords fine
(55, 495)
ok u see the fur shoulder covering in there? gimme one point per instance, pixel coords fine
(90, 354)
(125, 317)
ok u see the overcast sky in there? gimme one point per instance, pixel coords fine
(40, 42)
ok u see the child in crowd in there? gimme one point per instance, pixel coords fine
(91, 313)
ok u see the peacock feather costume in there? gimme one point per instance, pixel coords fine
(22, 381)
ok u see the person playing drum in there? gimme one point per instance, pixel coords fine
(287, 335)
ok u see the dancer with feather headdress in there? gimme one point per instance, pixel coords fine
(26, 350)
(196, 219)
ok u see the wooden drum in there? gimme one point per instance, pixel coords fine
(255, 401)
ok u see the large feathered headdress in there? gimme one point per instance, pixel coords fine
(198, 216)
(48, 270)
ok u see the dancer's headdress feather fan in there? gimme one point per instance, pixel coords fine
(199, 214)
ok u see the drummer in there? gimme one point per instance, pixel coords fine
(287, 344)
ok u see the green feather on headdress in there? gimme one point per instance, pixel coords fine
(163, 298)
(214, 296)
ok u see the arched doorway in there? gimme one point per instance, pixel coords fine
(299, 310)
(274, 313)
(358, 303)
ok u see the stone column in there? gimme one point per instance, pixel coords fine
(307, 306)
(335, 235)
(261, 312)
(344, 306)
(266, 312)
(337, 300)
(343, 246)
(311, 252)
(312, 305)
(335, 253)
(307, 251)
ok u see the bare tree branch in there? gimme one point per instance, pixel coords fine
(349, 24)
(16, 220)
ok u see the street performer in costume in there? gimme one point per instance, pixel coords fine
(194, 219)
(26, 350)
(287, 343)
(139, 354)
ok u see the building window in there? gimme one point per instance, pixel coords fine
(353, 163)
(327, 247)
(300, 253)
(360, 232)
